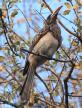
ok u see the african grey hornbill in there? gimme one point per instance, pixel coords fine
(46, 42)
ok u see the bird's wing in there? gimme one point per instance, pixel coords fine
(34, 42)
(38, 37)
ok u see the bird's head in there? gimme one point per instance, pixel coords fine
(52, 17)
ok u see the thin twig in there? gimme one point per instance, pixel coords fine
(46, 102)
(51, 97)
(75, 78)
(47, 6)
(44, 56)
(13, 77)
(5, 31)
(73, 95)
(17, 35)
(67, 19)
(26, 19)
(79, 37)
(7, 102)
(40, 15)
(73, 8)
(58, 80)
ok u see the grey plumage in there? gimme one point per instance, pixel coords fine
(46, 43)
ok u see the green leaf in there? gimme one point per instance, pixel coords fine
(57, 55)
(12, 2)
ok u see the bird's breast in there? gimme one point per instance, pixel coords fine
(47, 45)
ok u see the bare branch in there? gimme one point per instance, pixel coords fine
(66, 86)
(51, 97)
(44, 56)
(7, 102)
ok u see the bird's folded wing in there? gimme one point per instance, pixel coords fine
(34, 42)
(38, 37)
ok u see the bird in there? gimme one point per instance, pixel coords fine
(46, 42)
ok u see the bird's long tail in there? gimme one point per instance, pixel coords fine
(25, 95)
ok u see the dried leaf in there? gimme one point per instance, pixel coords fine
(74, 43)
(64, 73)
(2, 58)
(14, 13)
(4, 11)
(80, 75)
(78, 65)
(79, 13)
(80, 2)
(76, 7)
(80, 48)
(68, 5)
(79, 93)
(44, 5)
(12, 2)
(66, 12)
(4, 48)
(1, 68)
(75, 82)
(21, 20)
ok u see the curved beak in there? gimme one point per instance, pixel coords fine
(55, 13)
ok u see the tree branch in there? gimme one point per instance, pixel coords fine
(5, 31)
(7, 102)
(44, 56)
(79, 37)
(66, 85)
(51, 97)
